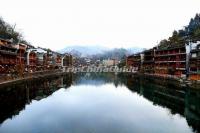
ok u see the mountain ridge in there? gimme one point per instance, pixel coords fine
(85, 51)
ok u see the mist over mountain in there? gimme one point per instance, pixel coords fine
(100, 51)
(84, 51)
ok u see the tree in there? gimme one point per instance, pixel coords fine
(191, 31)
(8, 31)
(163, 43)
(196, 34)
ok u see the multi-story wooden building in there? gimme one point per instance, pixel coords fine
(134, 61)
(40, 59)
(56, 60)
(49, 60)
(21, 49)
(168, 61)
(148, 61)
(194, 62)
(59, 60)
(31, 60)
(8, 56)
(171, 61)
(67, 60)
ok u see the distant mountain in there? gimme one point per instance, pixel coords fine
(100, 51)
(84, 51)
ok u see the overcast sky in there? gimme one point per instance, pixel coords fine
(57, 24)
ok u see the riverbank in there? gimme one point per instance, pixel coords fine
(33, 76)
(169, 80)
(164, 80)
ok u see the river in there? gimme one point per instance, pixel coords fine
(98, 103)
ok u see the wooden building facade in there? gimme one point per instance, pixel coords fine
(8, 57)
(171, 61)
(194, 63)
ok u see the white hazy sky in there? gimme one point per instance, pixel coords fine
(56, 24)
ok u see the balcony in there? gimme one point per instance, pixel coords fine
(32, 59)
(180, 68)
(8, 52)
(170, 54)
(169, 61)
(7, 61)
(148, 61)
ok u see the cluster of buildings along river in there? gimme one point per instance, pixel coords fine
(182, 61)
(179, 61)
(18, 59)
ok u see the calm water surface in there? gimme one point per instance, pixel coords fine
(97, 103)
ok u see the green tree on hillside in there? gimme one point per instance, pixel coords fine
(190, 32)
(8, 31)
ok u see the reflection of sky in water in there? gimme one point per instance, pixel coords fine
(90, 82)
(92, 109)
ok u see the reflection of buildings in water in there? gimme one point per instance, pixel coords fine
(99, 79)
(67, 80)
(193, 119)
(13, 98)
(133, 84)
(185, 102)
(192, 109)
(27, 95)
(61, 83)
(181, 101)
(96, 79)
(174, 102)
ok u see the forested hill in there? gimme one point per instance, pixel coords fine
(8, 31)
(191, 32)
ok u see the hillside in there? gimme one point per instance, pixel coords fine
(191, 33)
(9, 32)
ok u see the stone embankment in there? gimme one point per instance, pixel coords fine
(171, 80)
(7, 79)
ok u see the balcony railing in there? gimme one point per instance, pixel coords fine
(170, 54)
(8, 52)
(7, 61)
